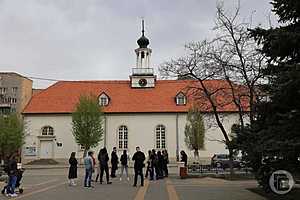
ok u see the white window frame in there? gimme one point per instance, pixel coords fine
(181, 99)
(48, 130)
(122, 136)
(160, 137)
(103, 100)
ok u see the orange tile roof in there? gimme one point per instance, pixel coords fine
(63, 96)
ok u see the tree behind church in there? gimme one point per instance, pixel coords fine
(194, 131)
(87, 122)
(11, 135)
(277, 125)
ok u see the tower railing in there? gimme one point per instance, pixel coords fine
(142, 71)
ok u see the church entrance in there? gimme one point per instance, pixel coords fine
(46, 149)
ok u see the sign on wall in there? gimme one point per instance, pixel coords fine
(30, 151)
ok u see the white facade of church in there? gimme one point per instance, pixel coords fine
(49, 135)
(141, 129)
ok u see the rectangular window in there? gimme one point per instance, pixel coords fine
(14, 90)
(103, 101)
(181, 100)
(3, 90)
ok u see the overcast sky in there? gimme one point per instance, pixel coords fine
(95, 39)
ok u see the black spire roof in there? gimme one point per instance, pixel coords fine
(143, 42)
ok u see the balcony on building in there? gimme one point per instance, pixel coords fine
(5, 105)
(142, 71)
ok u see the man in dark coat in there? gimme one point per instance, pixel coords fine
(138, 158)
(103, 161)
(165, 163)
(114, 162)
(160, 163)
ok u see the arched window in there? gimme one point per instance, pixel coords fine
(123, 137)
(160, 135)
(47, 131)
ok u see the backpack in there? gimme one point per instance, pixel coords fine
(124, 159)
(103, 159)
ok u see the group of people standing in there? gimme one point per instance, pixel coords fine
(157, 164)
(103, 166)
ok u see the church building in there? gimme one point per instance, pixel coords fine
(141, 111)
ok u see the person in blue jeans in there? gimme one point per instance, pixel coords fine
(89, 166)
(12, 174)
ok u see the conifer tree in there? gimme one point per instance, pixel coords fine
(194, 131)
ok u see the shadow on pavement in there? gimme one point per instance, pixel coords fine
(293, 195)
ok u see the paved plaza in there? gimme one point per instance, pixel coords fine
(51, 184)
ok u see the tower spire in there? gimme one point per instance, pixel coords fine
(143, 42)
(143, 29)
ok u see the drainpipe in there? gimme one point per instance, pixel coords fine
(105, 129)
(177, 139)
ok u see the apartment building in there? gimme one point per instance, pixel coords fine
(15, 92)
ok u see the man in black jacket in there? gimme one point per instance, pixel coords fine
(138, 158)
(114, 162)
(103, 161)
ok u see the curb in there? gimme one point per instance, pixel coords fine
(31, 167)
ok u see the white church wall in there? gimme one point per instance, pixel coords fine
(141, 132)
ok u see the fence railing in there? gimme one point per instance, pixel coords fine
(142, 71)
(203, 169)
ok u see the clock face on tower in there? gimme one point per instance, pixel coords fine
(142, 82)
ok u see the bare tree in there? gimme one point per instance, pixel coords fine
(232, 57)
(236, 53)
(206, 95)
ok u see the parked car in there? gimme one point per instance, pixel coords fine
(222, 161)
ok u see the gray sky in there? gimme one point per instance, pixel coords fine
(95, 39)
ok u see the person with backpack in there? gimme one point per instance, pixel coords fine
(138, 158)
(103, 161)
(124, 165)
(114, 162)
(88, 164)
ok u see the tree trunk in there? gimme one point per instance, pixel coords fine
(196, 154)
(85, 152)
(231, 162)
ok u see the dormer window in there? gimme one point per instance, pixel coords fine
(103, 100)
(180, 99)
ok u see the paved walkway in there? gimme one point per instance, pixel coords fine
(51, 184)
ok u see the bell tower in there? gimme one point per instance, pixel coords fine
(142, 74)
